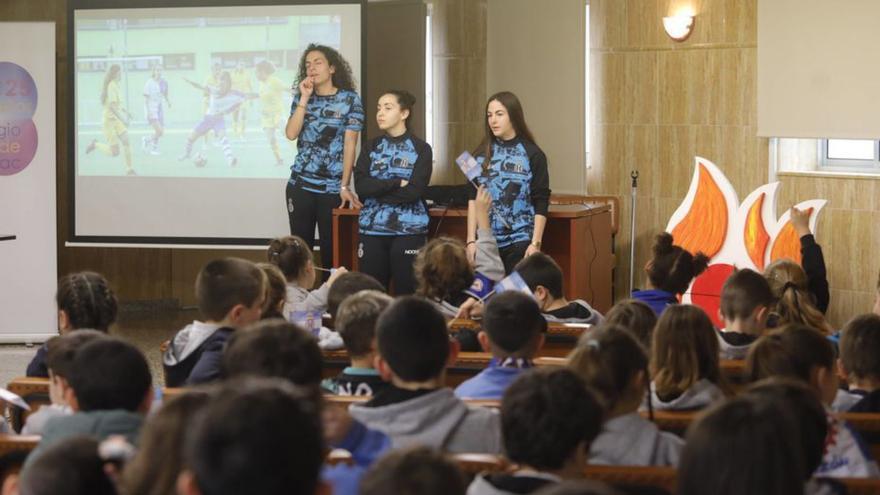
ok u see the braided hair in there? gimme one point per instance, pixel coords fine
(87, 300)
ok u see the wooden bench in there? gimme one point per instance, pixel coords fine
(347, 400)
(466, 366)
(34, 391)
(733, 370)
(12, 443)
(558, 342)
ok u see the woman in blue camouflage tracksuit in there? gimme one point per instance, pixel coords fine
(391, 176)
(326, 118)
(515, 172)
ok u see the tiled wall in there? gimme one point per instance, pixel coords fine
(459, 57)
(658, 103)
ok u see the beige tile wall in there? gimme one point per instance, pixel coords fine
(657, 103)
(459, 57)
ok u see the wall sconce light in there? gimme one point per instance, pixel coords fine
(678, 27)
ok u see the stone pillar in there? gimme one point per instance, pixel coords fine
(458, 30)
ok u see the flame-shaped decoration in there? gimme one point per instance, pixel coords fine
(704, 228)
(787, 244)
(755, 234)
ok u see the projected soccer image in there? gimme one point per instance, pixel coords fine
(189, 96)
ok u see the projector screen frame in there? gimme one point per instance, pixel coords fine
(152, 241)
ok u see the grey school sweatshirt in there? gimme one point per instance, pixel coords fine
(699, 395)
(439, 420)
(631, 440)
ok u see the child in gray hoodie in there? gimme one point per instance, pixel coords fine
(684, 361)
(110, 392)
(548, 420)
(615, 365)
(413, 352)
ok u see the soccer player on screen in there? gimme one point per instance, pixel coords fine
(155, 90)
(271, 93)
(222, 100)
(241, 82)
(115, 124)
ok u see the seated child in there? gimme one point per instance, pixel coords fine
(548, 420)
(443, 269)
(110, 392)
(810, 421)
(356, 323)
(544, 278)
(85, 300)
(348, 284)
(745, 445)
(636, 317)
(613, 364)
(414, 471)
(745, 303)
(670, 273)
(860, 361)
(684, 361)
(159, 460)
(276, 291)
(230, 295)
(59, 359)
(259, 435)
(801, 291)
(279, 349)
(513, 332)
(294, 258)
(804, 354)
(71, 466)
(414, 350)
(794, 302)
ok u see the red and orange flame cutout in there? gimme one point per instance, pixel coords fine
(705, 226)
(787, 243)
(755, 234)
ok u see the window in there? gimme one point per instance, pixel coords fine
(429, 82)
(849, 154)
(587, 83)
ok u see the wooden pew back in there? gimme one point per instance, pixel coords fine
(12, 443)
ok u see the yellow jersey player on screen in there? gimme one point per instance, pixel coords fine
(271, 104)
(241, 82)
(114, 120)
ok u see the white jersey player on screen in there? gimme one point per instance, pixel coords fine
(223, 100)
(155, 91)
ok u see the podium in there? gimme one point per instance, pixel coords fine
(577, 236)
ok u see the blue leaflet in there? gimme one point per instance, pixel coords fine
(514, 282)
(481, 288)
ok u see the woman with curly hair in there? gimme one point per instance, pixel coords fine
(326, 118)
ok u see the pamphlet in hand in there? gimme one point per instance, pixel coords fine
(514, 281)
(13, 399)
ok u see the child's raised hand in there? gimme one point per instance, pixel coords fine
(800, 220)
(336, 274)
(483, 200)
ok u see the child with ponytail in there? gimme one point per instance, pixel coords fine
(670, 273)
(614, 364)
(292, 255)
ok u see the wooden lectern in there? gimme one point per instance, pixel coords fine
(577, 236)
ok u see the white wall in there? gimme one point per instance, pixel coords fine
(536, 50)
